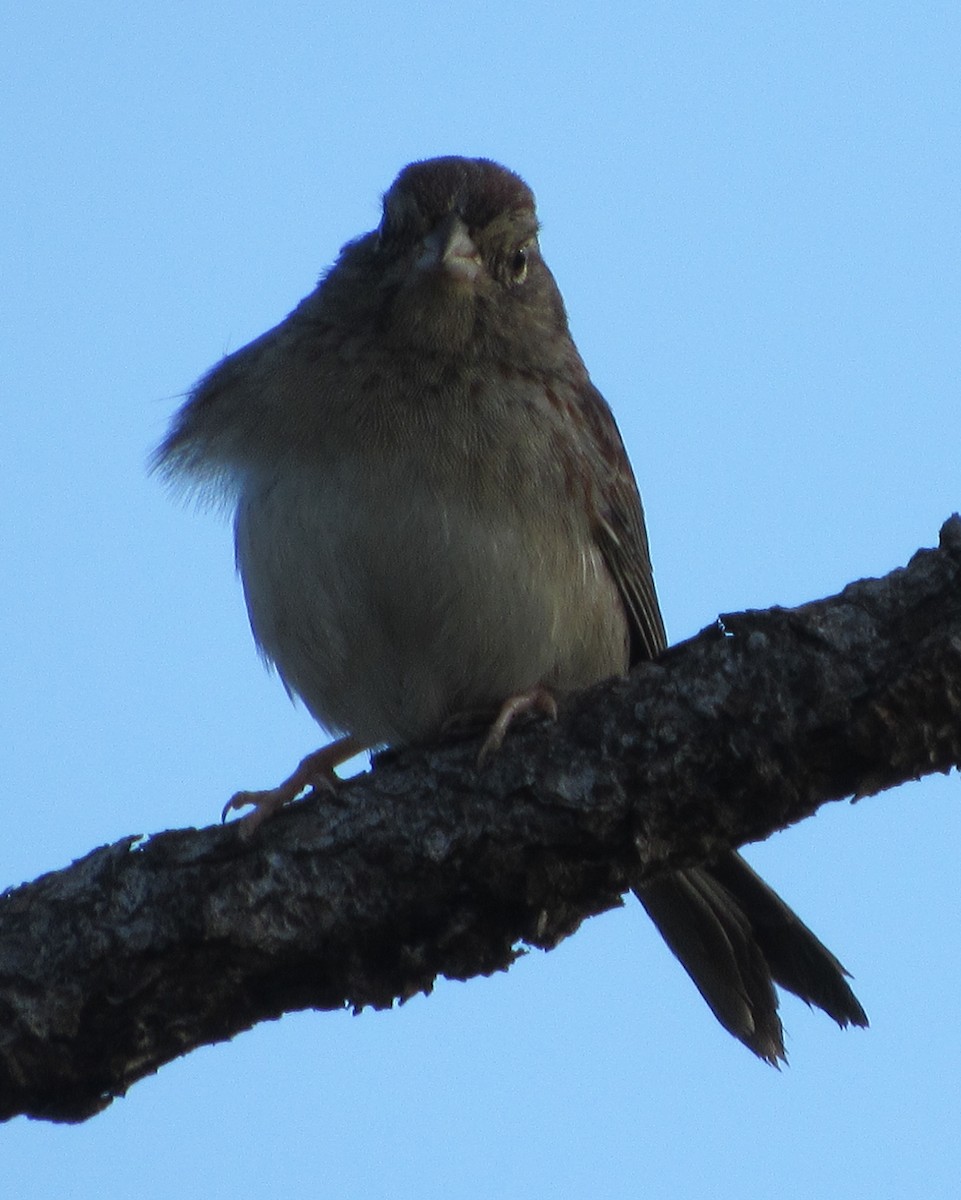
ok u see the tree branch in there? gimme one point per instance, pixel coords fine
(141, 951)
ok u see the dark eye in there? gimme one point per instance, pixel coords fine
(519, 265)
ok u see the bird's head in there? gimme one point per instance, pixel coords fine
(455, 263)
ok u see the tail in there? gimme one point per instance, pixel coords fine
(736, 938)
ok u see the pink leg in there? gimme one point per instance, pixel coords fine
(316, 770)
(538, 699)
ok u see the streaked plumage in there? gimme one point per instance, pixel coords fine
(435, 512)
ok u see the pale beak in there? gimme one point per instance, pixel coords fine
(449, 248)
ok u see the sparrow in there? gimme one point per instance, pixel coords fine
(434, 514)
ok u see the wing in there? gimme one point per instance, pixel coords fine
(619, 529)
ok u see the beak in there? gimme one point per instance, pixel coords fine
(449, 248)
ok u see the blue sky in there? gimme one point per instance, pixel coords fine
(753, 215)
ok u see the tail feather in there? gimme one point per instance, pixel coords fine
(736, 938)
(799, 962)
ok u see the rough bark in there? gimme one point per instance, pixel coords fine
(143, 950)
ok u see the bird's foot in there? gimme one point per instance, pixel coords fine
(538, 699)
(315, 771)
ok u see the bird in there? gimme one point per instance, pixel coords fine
(435, 514)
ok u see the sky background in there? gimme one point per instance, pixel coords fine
(753, 214)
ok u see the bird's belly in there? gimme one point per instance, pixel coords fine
(390, 607)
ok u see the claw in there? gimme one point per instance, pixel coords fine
(538, 699)
(315, 771)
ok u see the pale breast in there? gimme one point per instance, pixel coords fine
(389, 604)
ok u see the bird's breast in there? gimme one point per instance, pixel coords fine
(394, 590)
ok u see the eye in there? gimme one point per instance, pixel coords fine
(519, 264)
